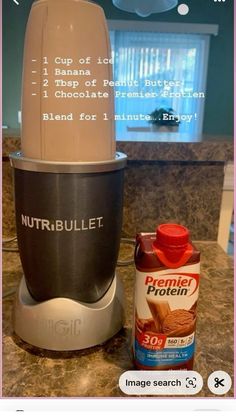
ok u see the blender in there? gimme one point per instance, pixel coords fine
(68, 181)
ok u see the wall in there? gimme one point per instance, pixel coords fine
(220, 74)
(14, 23)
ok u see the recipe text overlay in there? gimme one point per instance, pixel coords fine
(65, 78)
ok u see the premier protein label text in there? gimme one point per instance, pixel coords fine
(170, 284)
(165, 316)
(62, 225)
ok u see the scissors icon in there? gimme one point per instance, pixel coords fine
(218, 382)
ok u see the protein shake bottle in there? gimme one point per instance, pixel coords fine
(166, 293)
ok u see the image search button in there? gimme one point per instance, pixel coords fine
(219, 382)
(175, 383)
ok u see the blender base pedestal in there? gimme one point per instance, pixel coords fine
(63, 324)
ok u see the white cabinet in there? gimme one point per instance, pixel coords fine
(227, 206)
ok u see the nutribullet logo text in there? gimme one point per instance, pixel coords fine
(62, 225)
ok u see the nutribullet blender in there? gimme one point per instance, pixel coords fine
(68, 181)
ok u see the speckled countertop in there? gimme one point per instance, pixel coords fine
(31, 372)
(165, 147)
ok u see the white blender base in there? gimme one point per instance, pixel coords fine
(63, 324)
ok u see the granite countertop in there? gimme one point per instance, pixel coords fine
(165, 147)
(32, 372)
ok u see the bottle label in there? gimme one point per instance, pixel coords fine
(165, 316)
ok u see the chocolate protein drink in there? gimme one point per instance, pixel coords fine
(166, 293)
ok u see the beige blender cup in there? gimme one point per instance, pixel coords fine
(68, 181)
(63, 43)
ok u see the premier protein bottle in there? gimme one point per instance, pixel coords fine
(166, 294)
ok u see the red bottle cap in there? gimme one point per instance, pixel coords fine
(172, 245)
(173, 235)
